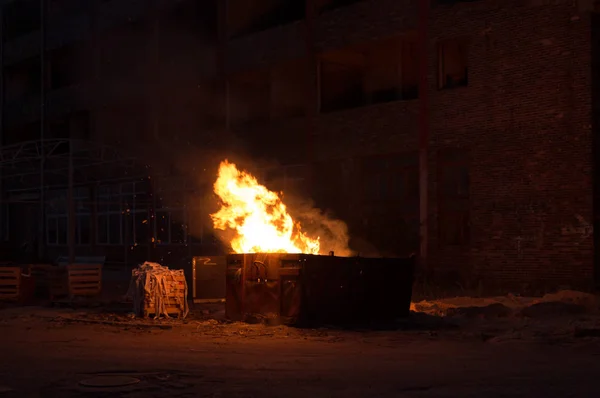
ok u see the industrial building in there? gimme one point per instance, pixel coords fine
(100, 96)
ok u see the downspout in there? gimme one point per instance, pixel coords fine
(424, 10)
(42, 219)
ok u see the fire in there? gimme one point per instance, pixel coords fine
(257, 215)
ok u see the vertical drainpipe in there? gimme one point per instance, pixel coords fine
(314, 92)
(223, 10)
(424, 10)
(155, 15)
(42, 219)
(3, 213)
(155, 63)
(71, 210)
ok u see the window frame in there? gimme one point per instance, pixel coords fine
(464, 44)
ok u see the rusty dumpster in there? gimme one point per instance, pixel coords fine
(303, 289)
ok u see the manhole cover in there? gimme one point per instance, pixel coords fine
(109, 381)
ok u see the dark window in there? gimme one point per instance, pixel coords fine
(68, 66)
(28, 132)
(341, 86)
(102, 229)
(110, 223)
(162, 226)
(178, 227)
(21, 17)
(23, 79)
(392, 71)
(62, 231)
(252, 98)
(246, 17)
(142, 229)
(290, 89)
(52, 228)
(83, 230)
(114, 229)
(453, 65)
(326, 5)
(192, 16)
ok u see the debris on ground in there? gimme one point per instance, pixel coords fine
(565, 302)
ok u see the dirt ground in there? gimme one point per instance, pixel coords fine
(440, 351)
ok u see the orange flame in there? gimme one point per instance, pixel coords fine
(258, 216)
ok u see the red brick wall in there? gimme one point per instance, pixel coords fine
(524, 119)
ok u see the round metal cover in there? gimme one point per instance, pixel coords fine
(109, 381)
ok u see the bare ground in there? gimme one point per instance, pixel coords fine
(47, 353)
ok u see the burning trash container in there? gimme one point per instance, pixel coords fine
(305, 289)
(157, 290)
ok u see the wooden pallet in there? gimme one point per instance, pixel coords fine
(10, 283)
(173, 308)
(84, 279)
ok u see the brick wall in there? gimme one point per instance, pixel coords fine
(524, 120)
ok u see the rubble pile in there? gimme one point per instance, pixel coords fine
(155, 289)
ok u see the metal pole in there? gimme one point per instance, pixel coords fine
(71, 204)
(311, 108)
(3, 218)
(222, 62)
(42, 220)
(423, 130)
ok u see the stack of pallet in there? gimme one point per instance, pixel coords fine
(157, 290)
(75, 280)
(10, 283)
(16, 284)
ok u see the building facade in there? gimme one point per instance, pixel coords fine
(330, 90)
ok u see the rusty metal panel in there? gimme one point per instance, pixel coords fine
(308, 289)
(208, 274)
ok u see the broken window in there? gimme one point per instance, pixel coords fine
(453, 197)
(250, 16)
(453, 64)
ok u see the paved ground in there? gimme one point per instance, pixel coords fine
(48, 352)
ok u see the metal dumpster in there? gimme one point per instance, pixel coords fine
(303, 289)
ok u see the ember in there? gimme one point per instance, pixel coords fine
(257, 215)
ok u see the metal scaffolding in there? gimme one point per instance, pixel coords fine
(35, 167)
(21, 171)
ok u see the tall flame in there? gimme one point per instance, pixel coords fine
(257, 215)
